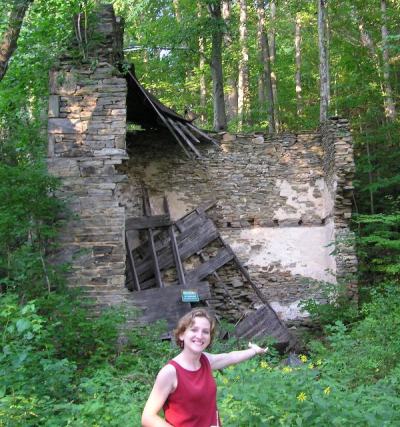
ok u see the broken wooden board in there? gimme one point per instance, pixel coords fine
(265, 322)
(165, 303)
(189, 242)
(143, 222)
(189, 236)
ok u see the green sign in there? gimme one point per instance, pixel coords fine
(190, 296)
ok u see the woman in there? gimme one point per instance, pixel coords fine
(185, 387)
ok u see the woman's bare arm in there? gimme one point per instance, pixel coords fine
(222, 360)
(164, 385)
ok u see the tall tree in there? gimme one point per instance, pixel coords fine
(265, 84)
(177, 11)
(272, 55)
(297, 44)
(390, 109)
(323, 62)
(202, 63)
(220, 122)
(368, 42)
(231, 93)
(243, 80)
(9, 41)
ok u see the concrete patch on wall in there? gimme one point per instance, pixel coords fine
(303, 251)
(303, 199)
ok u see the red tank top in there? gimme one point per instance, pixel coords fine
(194, 401)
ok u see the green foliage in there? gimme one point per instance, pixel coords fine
(28, 213)
(353, 380)
(31, 376)
(379, 248)
(334, 303)
(54, 357)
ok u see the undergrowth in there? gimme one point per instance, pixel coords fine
(66, 370)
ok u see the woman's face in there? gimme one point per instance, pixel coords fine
(197, 336)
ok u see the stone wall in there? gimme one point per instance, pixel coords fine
(86, 128)
(278, 202)
(339, 171)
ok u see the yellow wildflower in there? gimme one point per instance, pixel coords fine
(319, 362)
(327, 390)
(302, 397)
(303, 358)
(311, 366)
(264, 364)
(287, 369)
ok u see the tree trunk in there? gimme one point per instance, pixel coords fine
(262, 90)
(202, 82)
(243, 80)
(231, 79)
(216, 67)
(370, 179)
(10, 36)
(265, 83)
(323, 62)
(272, 55)
(202, 62)
(297, 44)
(177, 11)
(367, 42)
(390, 109)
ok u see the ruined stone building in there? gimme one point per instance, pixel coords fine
(282, 202)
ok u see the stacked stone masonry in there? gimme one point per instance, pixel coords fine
(87, 126)
(277, 206)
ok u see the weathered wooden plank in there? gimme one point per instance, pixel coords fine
(179, 131)
(185, 221)
(169, 294)
(161, 241)
(141, 223)
(202, 134)
(141, 253)
(178, 262)
(182, 240)
(131, 262)
(221, 258)
(156, 269)
(165, 304)
(265, 322)
(195, 240)
(187, 132)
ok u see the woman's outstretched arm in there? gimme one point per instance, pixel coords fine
(164, 385)
(222, 360)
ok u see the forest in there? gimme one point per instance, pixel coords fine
(240, 66)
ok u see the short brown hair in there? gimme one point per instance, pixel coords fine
(187, 320)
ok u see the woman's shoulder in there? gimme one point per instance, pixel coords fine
(208, 358)
(167, 370)
(167, 375)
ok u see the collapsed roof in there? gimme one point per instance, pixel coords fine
(147, 111)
